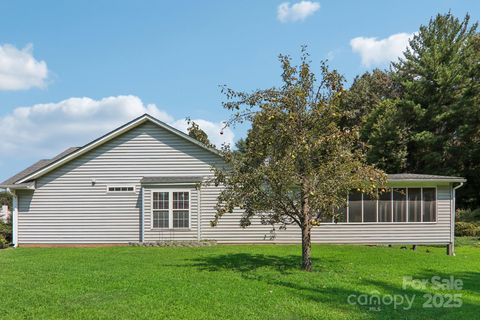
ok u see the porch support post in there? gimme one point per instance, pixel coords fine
(450, 249)
(142, 215)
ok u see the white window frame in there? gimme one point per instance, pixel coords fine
(107, 190)
(170, 208)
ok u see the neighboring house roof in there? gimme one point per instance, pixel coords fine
(37, 166)
(173, 179)
(44, 166)
(423, 177)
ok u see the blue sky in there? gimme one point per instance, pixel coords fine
(79, 69)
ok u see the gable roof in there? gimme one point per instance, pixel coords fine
(423, 177)
(44, 166)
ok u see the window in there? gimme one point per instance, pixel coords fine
(121, 189)
(171, 209)
(385, 206)
(355, 207)
(402, 205)
(180, 209)
(414, 205)
(160, 209)
(429, 205)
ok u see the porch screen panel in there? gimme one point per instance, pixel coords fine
(369, 208)
(385, 206)
(414, 205)
(429, 205)
(355, 207)
(342, 214)
(400, 205)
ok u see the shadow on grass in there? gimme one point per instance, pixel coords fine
(470, 280)
(435, 303)
(245, 262)
(251, 267)
(287, 274)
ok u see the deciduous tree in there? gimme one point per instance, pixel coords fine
(298, 163)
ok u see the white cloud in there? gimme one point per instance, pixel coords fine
(376, 52)
(19, 70)
(42, 130)
(212, 129)
(296, 12)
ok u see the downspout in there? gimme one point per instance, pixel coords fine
(451, 251)
(14, 217)
(142, 215)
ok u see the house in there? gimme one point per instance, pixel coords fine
(140, 183)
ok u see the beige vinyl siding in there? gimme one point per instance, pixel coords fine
(229, 231)
(66, 208)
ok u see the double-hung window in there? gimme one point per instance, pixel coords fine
(170, 209)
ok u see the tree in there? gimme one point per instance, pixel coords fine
(298, 163)
(439, 75)
(387, 136)
(366, 92)
(198, 134)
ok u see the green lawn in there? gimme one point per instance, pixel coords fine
(228, 282)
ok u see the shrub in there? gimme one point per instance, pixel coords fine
(467, 229)
(6, 231)
(3, 242)
(468, 215)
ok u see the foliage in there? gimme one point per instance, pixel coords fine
(228, 282)
(298, 162)
(424, 114)
(6, 199)
(387, 135)
(241, 146)
(468, 215)
(366, 92)
(198, 134)
(4, 243)
(6, 230)
(467, 229)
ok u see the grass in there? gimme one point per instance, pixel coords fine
(228, 282)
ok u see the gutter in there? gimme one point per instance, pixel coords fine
(19, 186)
(461, 181)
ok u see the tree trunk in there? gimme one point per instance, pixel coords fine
(306, 247)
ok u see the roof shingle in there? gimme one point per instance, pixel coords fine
(38, 166)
